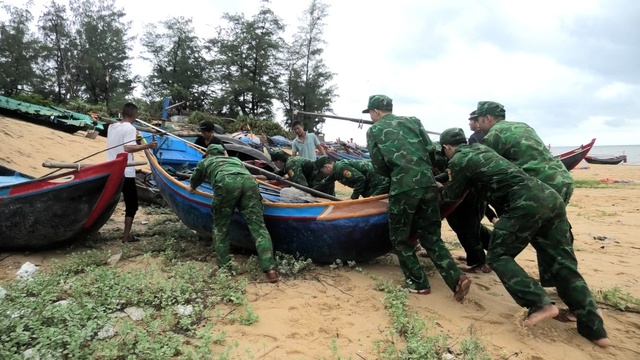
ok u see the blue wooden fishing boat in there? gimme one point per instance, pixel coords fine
(324, 231)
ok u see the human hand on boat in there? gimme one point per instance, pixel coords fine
(191, 190)
(152, 145)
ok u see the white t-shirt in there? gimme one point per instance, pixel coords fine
(119, 134)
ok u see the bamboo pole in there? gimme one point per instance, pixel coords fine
(359, 121)
(65, 165)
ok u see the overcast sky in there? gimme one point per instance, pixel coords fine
(570, 69)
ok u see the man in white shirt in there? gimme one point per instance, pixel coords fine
(305, 143)
(121, 138)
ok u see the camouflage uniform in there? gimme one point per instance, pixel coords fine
(533, 213)
(303, 171)
(465, 220)
(400, 150)
(519, 143)
(360, 176)
(233, 186)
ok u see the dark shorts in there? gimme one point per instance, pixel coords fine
(130, 194)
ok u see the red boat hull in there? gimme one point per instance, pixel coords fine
(60, 208)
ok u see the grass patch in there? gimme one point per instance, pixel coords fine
(597, 184)
(74, 310)
(618, 299)
(411, 337)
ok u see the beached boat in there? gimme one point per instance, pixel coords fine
(572, 158)
(180, 155)
(324, 231)
(147, 190)
(602, 160)
(37, 213)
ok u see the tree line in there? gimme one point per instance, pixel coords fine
(83, 51)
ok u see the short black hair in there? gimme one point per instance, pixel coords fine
(129, 110)
(296, 123)
(207, 125)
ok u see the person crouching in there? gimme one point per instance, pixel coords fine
(233, 186)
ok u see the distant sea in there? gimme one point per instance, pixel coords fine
(632, 151)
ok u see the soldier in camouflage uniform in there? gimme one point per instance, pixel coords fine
(533, 213)
(520, 144)
(400, 149)
(303, 171)
(233, 186)
(356, 174)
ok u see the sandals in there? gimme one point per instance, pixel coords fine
(479, 269)
(565, 316)
(462, 288)
(272, 276)
(132, 239)
(425, 291)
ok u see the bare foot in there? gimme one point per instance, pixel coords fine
(462, 288)
(420, 251)
(546, 312)
(604, 342)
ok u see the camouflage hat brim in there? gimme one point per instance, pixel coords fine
(365, 111)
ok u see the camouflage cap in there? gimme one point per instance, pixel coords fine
(473, 116)
(279, 155)
(379, 102)
(453, 136)
(490, 108)
(322, 161)
(215, 150)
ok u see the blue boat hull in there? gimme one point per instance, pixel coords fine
(307, 230)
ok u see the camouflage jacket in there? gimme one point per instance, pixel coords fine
(401, 150)
(301, 171)
(505, 185)
(215, 168)
(360, 176)
(519, 143)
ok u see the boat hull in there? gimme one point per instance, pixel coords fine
(61, 208)
(572, 158)
(606, 161)
(349, 230)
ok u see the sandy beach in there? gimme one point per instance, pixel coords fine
(299, 318)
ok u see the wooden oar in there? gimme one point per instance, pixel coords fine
(64, 165)
(359, 121)
(264, 172)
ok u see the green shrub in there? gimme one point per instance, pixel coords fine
(35, 99)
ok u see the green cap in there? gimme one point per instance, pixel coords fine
(453, 136)
(279, 155)
(490, 108)
(215, 150)
(322, 161)
(473, 116)
(379, 102)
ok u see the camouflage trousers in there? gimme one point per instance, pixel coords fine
(418, 210)
(375, 189)
(546, 276)
(547, 229)
(240, 191)
(325, 184)
(465, 221)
